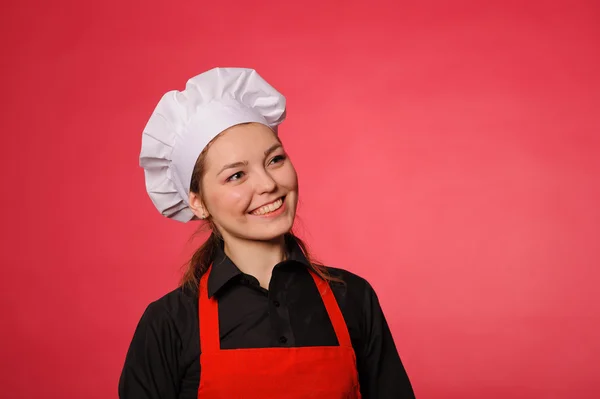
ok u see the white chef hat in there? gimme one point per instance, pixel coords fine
(184, 122)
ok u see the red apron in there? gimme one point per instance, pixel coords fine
(321, 372)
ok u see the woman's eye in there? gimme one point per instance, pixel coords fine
(236, 176)
(278, 158)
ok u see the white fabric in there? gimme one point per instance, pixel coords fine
(184, 122)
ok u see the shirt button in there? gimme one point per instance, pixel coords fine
(276, 303)
(282, 339)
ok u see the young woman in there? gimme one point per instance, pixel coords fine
(254, 316)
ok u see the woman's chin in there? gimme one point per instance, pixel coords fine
(270, 231)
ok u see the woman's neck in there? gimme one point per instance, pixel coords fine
(256, 258)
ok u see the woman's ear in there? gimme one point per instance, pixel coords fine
(197, 206)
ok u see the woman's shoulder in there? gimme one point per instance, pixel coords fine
(356, 298)
(347, 276)
(349, 283)
(177, 307)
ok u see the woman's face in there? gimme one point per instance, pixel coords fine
(250, 187)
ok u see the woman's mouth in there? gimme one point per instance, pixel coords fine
(269, 209)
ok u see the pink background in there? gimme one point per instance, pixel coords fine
(447, 153)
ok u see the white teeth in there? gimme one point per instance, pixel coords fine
(268, 208)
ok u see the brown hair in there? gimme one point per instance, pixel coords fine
(205, 254)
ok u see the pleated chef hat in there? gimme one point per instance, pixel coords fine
(184, 122)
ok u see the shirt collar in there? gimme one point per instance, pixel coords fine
(224, 270)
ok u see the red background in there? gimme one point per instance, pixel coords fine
(447, 153)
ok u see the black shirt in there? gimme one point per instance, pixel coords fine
(163, 360)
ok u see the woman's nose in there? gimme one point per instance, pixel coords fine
(265, 183)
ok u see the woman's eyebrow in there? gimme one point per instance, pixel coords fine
(245, 163)
(233, 166)
(272, 148)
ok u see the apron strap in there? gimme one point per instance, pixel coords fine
(209, 314)
(333, 310)
(208, 310)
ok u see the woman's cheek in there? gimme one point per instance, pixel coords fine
(237, 200)
(290, 178)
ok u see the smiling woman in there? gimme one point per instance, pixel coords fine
(253, 199)
(246, 170)
(254, 316)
